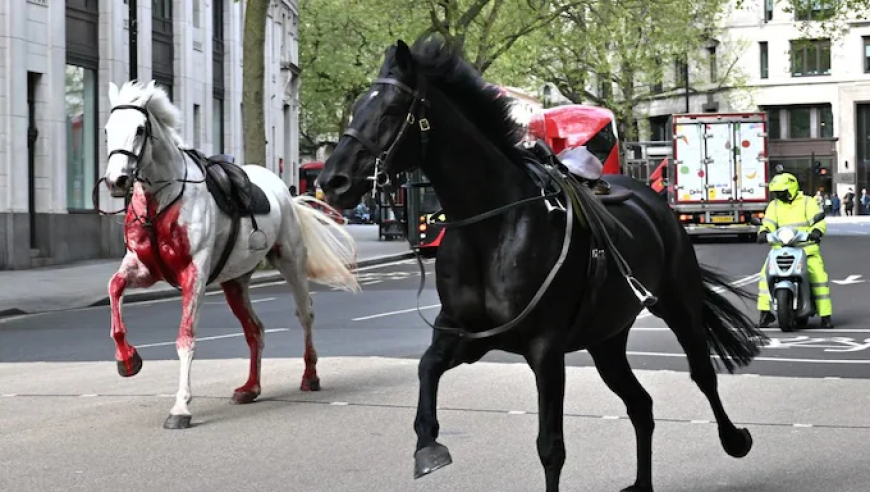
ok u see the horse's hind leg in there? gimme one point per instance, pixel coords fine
(612, 364)
(684, 317)
(291, 263)
(238, 298)
(430, 455)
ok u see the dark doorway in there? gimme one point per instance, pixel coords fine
(32, 136)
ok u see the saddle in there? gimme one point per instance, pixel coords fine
(581, 164)
(235, 196)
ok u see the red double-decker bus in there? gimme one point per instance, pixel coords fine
(575, 125)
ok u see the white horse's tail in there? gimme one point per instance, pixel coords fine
(331, 249)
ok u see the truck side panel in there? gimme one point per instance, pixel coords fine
(690, 178)
(752, 161)
(720, 161)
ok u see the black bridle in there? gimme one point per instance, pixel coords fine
(148, 222)
(382, 177)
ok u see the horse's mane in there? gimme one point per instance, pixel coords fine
(157, 102)
(443, 65)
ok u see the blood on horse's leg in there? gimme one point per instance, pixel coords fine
(290, 262)
(612, 364)
(131, 274)
(192, 290)
(237, 295)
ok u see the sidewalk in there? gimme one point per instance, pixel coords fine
(84, 284)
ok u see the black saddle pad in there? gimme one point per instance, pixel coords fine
(230, 186)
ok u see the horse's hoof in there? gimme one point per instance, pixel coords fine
(738, 443)
(130, 367)
(638, 488)
(310, 384)
(431, 458)
(177, 422)
(244, 396)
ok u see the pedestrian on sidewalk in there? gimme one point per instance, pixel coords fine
(835, 205)
(865, 203)
(849, 202)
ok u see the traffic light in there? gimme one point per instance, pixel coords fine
(817, 167)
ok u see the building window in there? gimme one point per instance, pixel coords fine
(813, 10)
(799, 122)
(658, 127)
(680, 73)
(197, 127)
(810, 57)
(657, 86)
(826, 122)
(762, 46)
(774, 124)
(217, 126)
(866, 54)
(714, 75)
(81, 136)
(196, 13)
(768, 10)
(604, 87)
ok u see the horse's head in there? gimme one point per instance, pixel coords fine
(140, 116)
(383, 134)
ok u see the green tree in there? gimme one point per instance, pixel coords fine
(616, 53)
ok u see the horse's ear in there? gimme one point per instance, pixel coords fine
(149, 89)
(113, 93)
(403, 57)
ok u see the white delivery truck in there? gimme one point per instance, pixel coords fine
(717, 178)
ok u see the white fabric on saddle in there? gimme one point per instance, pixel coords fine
(582, 163)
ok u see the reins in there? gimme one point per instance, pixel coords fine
(148, 222)
(382, 178)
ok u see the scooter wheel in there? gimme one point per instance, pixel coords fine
(784, 314)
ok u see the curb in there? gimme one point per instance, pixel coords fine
(164, 292)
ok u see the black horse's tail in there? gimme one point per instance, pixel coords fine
(731, 334)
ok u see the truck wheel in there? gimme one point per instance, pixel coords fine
(783, 310)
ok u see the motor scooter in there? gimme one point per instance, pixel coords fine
(788, 281)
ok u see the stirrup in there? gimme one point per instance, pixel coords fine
(550, 207)
(643, 295)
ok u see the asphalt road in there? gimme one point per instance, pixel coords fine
(69, 423)
(382, 321)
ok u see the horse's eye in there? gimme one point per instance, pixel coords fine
(140, 131)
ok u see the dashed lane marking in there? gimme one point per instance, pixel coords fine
(569, 415)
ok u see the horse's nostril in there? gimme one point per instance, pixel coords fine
(122, 181)
(339, 183)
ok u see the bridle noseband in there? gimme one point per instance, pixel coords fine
(148, 135)
(382, 177)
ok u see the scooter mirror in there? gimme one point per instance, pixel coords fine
(755, 221)
(819, 217)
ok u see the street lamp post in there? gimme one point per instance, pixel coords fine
(686, 75)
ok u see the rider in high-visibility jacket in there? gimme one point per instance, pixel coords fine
(790, 207)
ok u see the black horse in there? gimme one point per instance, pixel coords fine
(429, 107)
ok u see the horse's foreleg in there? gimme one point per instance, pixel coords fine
(132, 273)
(238, 298)
(193, 282)
(615, 371)
(438, 359)
(547, 360)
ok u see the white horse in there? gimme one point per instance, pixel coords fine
(175, 231)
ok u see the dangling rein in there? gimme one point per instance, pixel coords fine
(575, 200)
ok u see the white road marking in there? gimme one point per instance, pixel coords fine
(766, 359)
(767, 330)
(8, 395)
(89, 395)
(805, 426)
(610, 417)
(517, 412)
(206, 339)
(643, 314)
(339, 403)
(392, 313)
(699, 421)
(253, 301)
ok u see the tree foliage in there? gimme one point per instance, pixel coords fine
(619, 53)
(342, 43)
